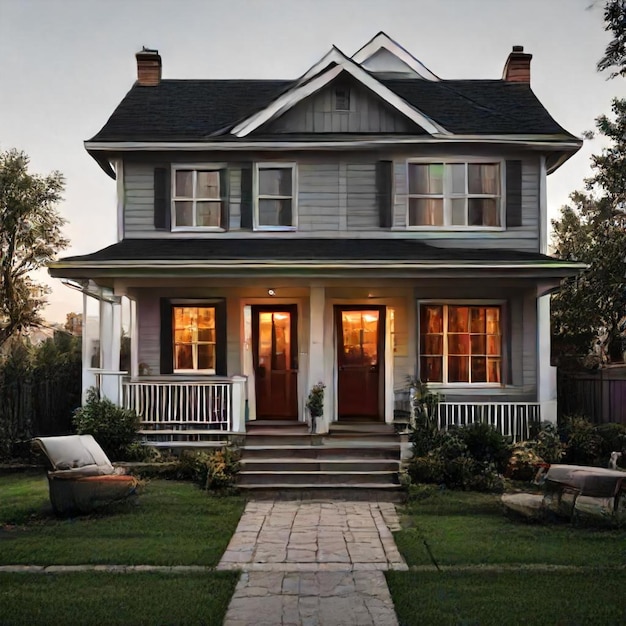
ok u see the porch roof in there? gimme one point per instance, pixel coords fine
(273, 253)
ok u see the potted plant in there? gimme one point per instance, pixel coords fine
(315, 404)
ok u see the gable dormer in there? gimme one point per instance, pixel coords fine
(332, 66)
(343, 106)
(382, 55)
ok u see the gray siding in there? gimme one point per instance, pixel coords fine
(361, 201)
(138, 199)
(368, 114)
(524, 237)
(318, 197)
(336, 197)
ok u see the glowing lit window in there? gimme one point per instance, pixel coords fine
(194, 339)
(460, 344)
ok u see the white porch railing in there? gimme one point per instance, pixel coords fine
(170, 407)
(512, 419)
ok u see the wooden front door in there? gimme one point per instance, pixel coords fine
(360, 341)
(275, 359)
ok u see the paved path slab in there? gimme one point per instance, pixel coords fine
(313, 563)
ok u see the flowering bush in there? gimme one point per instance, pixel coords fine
(315, 401)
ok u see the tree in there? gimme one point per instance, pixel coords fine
(592, 230)
(30, 237)
(615, 54)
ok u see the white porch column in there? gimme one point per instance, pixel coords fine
(110, 342)
(134, 340)
(546, 374)
(238, 404)
(317, 365)
(88, 375)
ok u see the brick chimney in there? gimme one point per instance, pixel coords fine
(517, 66)
(148, 67)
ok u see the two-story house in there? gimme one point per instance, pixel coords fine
(363, 224)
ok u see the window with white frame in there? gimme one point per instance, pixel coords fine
(197, 197)
(454, 194)
(275, 196)
(460, 343)
(194, 339)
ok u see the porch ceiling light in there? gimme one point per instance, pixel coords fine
(271, 292)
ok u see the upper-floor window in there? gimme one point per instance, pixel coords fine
(460, 343)
(197, 196)
(275, 201)
(454, 195)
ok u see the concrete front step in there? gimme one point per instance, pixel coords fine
(264, 437)
(361, 428)
(300, 478)
(319, 465)
(361, 492)
(326, 452)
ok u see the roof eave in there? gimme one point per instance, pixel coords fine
(566, 144)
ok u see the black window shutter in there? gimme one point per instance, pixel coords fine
(246, 195)
(221, 339)
(225, 195)
(384, 187)
(162, 199)
(513, 193)
(167, 349)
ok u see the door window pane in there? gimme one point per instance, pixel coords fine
(360, 337)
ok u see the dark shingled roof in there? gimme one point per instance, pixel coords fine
(194, 110)
(282, 249)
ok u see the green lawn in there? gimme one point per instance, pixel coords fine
(111, 599)
(170, 523)
(470, 530)
(512, 598)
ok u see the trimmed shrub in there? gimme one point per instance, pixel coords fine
(613, 438)
(213, 471)
(583, 443)
(466, 457)
(112, 427)
(486, 445)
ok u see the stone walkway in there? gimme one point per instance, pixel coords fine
(313, 563)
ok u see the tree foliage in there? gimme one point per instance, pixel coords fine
(592, 230)
(30, 236)
(614, 58)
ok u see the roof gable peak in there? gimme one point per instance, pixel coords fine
(383, 54)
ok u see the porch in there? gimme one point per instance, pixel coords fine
(195, 411)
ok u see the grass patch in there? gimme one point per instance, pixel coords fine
(23, 497)
(112, 599)
(171, 523)
(550, 598)
(464, 528)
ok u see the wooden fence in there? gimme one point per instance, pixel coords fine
(37, 406)
(600, 396)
